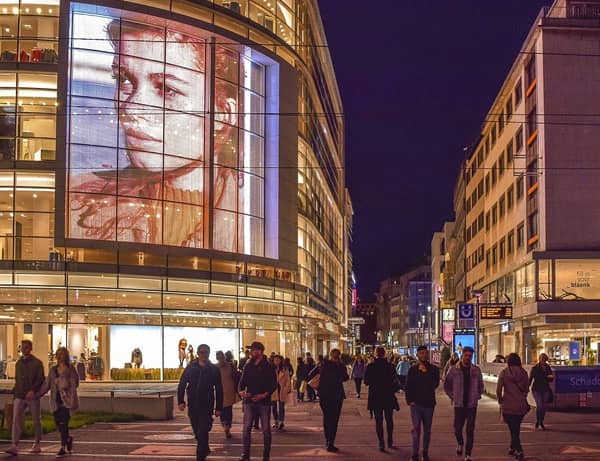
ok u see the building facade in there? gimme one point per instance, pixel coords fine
(532, 227)
(171, 173)
(366, 334)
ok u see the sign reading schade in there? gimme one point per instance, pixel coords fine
(576, 380)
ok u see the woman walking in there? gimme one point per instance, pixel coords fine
(301, 373)
(230, 378)
(280, 396)
(540, 378)
(62, 382)
(333, 373)
(358, 374)
(511, 391)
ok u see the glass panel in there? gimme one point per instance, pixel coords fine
(578, 279)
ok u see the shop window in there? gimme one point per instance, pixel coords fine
(545, 279)
(578, 279)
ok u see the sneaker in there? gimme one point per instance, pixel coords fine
(275, 425)
(542, 426)
(36, 448)
(281, 427)
(519, 455)
(70, 444)
(358, 396)
(390, 444)
(12, 450)
(511, 452)
(459, 450)
(61, 454)
(332, 448)
(537, 425)
(468, 458)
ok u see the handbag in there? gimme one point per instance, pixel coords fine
(302, 387)
(315, 381)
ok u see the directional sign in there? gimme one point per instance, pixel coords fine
(495, 311)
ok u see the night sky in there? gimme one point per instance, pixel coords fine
(416, 78)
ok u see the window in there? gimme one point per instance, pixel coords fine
(519, 140)
(495, 255)
(502, 206)
(501, 164)
(487, 184)
(518, 92)
(494, 214)
(511, 242)
(509, 153)
(520, 187)
(480, 188)
(502, 248)
(480, 220)
(487, 221)
(480, 252)
(468, 237)
(474, 229)
(509, 109)
(510, 197)
(530, 69)
(494, 174)
(493, 135)
(500, 123)
(480, 157)
(531, 121)
(532, 225)
(487, 259)
(520, 235)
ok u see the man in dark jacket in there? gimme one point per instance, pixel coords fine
(257, 383)
(29, 377)
(381, 379)
(333, 374)
(422, 380)
(201, 380)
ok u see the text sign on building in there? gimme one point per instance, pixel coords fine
(573, 380)
(356, 321)
(448, 315)
(466, 315)
(495, 311)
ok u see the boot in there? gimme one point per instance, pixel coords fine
(227, 430)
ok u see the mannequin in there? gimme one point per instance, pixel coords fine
(136, 357)
(182, 351)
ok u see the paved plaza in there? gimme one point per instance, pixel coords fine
(570, 436)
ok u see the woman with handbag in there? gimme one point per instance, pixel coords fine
(62, 382)
(230, 378)
(280, 396)
(540, 377)
(329, 378)
(511, 391)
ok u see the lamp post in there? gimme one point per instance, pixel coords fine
(428, 327)
(423, 331)
(418, 333)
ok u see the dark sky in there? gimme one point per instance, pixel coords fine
(417, 78)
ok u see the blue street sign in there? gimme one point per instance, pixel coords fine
(466, 311)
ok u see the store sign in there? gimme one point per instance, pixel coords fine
(447, 332)
(573, 380)
(495, 311)
(448, 315)
(574, 350)
(466, 315)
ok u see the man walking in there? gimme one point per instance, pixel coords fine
(421, 382)
(201, 380)
(29, 377)
(464, 386)
(380, 376)
(257, 383)
(402, 371)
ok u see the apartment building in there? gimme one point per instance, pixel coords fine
(532, 226)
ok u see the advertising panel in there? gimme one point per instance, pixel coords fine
(167, 135)
(462, 339)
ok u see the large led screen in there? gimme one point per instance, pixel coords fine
(167, 134)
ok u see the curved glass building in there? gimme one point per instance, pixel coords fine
(171, 174)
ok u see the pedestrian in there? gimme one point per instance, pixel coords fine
(540, 378)
(511, 391)
(281, 394)
(454, 358)
(422, 381)
(301, 374)
(333, 373)
(358, 374)
(288, 366)
(230, 378)
(380, 376)
(499, 359)
(62, 382)
(310, 366)
(257, 384)
(244, 359)
(402, 371)
(29, 378)
(201, 381)
(464, 386)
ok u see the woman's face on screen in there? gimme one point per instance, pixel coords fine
(161, 105)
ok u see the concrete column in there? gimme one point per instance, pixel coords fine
(41, 343)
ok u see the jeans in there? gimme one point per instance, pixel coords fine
(540, 405)
(358, 384)
(227, 416)
(278, 411)
(514, 426)
(388, 413)
(332, 410)
(421, 416)
(462, 415)
(201, 420)
(19, 414)
(312, 395)
(261, 411)
(61, 418)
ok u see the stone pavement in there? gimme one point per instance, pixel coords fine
(570, 436)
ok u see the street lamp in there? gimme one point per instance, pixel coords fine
(423, 331)
(428, 327)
